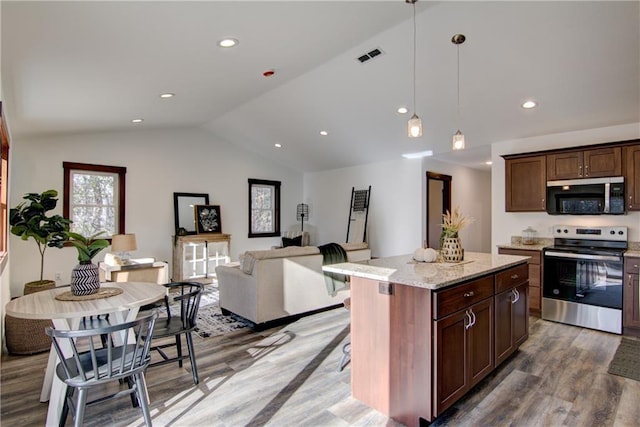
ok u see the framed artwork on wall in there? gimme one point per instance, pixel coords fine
(207, 219)
(184, 207)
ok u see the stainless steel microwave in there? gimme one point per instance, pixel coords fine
(589, 196)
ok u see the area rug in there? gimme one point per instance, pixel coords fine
(626, 361)
(211, 322)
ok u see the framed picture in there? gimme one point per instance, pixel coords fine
(184, 205)
(207, 219)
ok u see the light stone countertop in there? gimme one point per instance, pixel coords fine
(632, 253)
(404, 270)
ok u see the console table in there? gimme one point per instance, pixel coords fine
(196, 256)
(153, 272)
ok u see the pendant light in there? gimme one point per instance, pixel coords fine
(414, 127)
(458, 137)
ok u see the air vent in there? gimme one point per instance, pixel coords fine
(370, 55)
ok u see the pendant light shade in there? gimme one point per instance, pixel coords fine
(457, 142)
(414, 126)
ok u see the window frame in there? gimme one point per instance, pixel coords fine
(276, 208)
(86, 167)
(4, 186)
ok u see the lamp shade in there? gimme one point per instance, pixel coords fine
(414, 127)
(458, 141)
(123, 242)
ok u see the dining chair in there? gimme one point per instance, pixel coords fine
(187, 296)
(125, 355)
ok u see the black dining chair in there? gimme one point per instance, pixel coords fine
(187, 296)
(125, 355)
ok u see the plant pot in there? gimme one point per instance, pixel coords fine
(451, 249)
(85, 279)
(27, 336)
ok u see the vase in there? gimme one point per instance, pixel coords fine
(85, 279)
(451, 249)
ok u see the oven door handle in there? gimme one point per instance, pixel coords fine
(583, 256)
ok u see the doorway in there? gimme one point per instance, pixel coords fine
(438, 202)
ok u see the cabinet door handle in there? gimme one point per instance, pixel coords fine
(469, 294)
(467, 325)
(516, 296)
(580, 170)
(543, 205)
(473, 321)
(515, 276)
(586, 170)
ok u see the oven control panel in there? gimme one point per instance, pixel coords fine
(614, 233)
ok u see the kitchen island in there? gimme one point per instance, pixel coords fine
(423, 334)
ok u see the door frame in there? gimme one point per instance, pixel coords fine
(446, 195)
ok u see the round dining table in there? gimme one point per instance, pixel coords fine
(66, 315)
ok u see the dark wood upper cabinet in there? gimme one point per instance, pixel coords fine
(632, 176)
(594, 163)
(525, 184)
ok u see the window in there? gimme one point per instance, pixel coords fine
(4, 184)
(264, 208)
(94, 198)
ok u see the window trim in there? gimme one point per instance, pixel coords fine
(120, 171)
(4, 186)
(276, 210)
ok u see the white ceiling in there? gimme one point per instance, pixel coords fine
(70, 67)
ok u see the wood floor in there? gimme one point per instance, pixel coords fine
(287, 376)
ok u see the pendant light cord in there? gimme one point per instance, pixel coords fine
(414, 57)
(458, 86)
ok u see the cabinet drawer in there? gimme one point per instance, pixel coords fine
(535, 255)
(509, 278)
(459, 297)
(632, 265)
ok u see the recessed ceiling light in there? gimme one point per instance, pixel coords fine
(324, 133)
(137, 120)
(418, 155)
(488, 163)
(529, 104)
(277, 145)
(167, 95)
(228, 42)
(403, 110)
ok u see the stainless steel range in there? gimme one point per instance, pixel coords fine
(583, 277)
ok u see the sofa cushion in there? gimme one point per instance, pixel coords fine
(295, 241)
(250, 257)
(354, 246)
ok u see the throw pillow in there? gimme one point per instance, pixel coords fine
(247, 263)
(296, 241)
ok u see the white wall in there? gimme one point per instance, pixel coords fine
(395, 223)
(158, 164)
(471, 191)
(507, 224)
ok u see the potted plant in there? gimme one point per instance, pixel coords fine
(450, 246)
(85, 277)
(29, 220)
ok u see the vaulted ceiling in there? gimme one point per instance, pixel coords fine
(74, 67)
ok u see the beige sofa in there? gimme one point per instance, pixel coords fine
(279, 283)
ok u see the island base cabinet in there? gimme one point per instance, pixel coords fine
(463, 352)
(391, 349)
(512, 321)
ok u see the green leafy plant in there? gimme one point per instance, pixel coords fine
(87, 247)
(29, 220)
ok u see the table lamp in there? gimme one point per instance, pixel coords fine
(123, 244)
